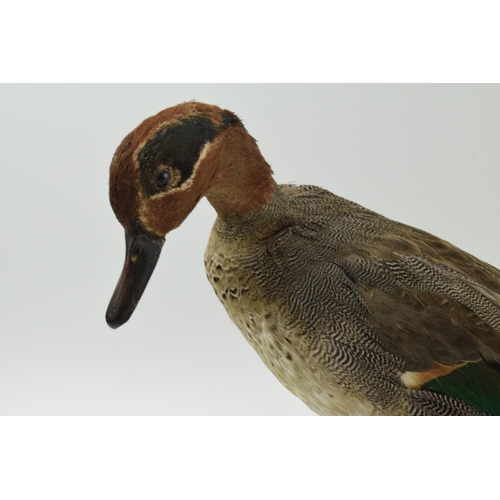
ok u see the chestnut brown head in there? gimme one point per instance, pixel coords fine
(158, 174)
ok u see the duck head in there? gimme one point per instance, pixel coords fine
(159, 173)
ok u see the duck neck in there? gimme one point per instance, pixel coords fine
(243, 182)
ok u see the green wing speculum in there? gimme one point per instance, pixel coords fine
(475, 383)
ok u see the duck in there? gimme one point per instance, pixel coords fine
(354, 313)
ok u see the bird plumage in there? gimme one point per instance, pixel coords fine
(353, 312)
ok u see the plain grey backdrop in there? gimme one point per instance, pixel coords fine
(426, 155)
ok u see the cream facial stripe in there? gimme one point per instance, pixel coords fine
(161, 126)
(177, 146)
(189, 182)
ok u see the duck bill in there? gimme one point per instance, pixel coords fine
(142, 254)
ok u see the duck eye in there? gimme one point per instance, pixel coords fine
(163, 178)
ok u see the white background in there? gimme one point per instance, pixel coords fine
(426, 155)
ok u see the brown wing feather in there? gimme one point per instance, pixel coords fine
(425, 329)
(432, 304)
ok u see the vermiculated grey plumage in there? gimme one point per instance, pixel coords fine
(313, 275)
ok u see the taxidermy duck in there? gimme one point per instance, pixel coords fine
(354, 313)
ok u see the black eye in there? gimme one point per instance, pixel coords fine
(163, 178)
